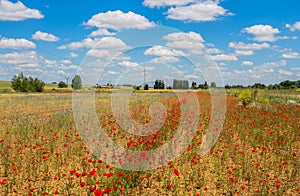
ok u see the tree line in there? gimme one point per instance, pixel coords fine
(22, 83)
(287, 84)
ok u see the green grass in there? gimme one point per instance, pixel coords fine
(5, 86)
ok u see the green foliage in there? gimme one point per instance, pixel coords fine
(159, 84)
(194, 85)
(213, 85)
(20, 83)
(180, 84)
(262, 98)
(76, 82)
(146, 87)
(236, 93)
(203, 86)
(245, 97)
(62, 84)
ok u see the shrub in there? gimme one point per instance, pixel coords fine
(245, 97)
(146, 87)
(20, 83)
(262, 98)
(62, 84)
(76, 82)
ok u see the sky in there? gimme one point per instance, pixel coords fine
(130, 41)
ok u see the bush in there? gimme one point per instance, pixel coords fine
(77, 83)
(262, 98)
(20, 83)
(245, 97)
(146, 87)
(62, 84)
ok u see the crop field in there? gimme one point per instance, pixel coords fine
(42, 152)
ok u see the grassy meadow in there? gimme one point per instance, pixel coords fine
(42, 153)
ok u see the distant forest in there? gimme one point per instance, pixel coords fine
(287, 84)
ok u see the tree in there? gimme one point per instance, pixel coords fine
(20, 83)
(194, 85)
(146, 87)
(76, 82)
(180, 84)
(62, 84)
(159, 84)
(213, 85)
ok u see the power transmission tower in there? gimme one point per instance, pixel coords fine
(67, 78)
(144, 75)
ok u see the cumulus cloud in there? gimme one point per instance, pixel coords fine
(200, 12)
(275, 64)
(44, 36)
(163, 51)
(105, 42)
(11, 43)
(113, 73)
(247, 63)
(163, 3)
(262, 33)
(101, 32)
(248, 47)
(293, 27)
(107, 54)
(73, 55)
(66, 62)
(128, 64)
(285, 72)
(214, 51)
(291, 55)
(224, 57)
(10, 11)
(191, 41)
(244, 52)
(118, 20)
(20, 58)
(165, 59)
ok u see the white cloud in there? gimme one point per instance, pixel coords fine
(202, 11)
(291, 55)
(10, 11)
(16, 43)
(180, 36)
(244, 52)
(44, 36)
(118, 20)
(107, 54)
(270, 70)
(163, 51)
(285, 72)
(262, 33)
(165, 59)
(128, 64)
(66, 62)
(162, 3)
(214, 51)
(191, 41)
(105, 42)
(244, 46)
(275, 64)
(247, 63)
(295, 69)
(101, 32)
(113, 73)
(20, 58)
(293, 27)
(224, 57)
(73, 55)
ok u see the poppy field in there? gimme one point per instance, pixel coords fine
(42, 153)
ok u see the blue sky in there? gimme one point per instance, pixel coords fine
(241, 41)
